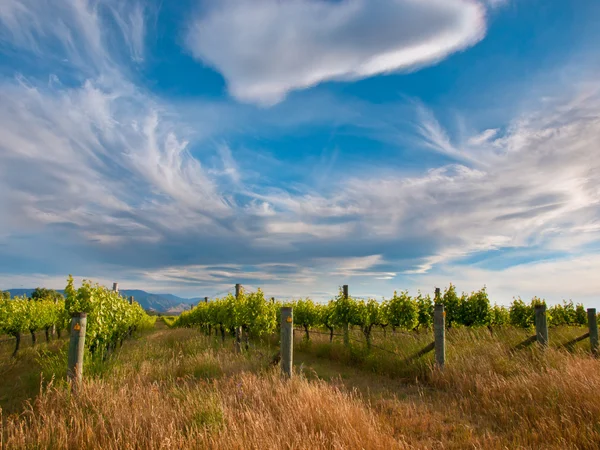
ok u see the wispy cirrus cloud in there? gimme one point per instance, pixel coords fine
(77, 34)
(267, 48)
(121, 182)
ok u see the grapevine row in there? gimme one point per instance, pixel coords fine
(258, 316)
(110, 317)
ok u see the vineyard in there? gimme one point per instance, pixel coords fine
(111, 318)
(258, 316)
(209, 378)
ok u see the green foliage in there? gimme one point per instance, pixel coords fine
(521, 314)
(251, 311)
(110, 317)
(581, 317)
(343, 309)
(567, 314)
(499, 315)
(4, 295)
(306, 314)
(365, 314)
(326, 315)
(14, 316)
(258, 316)
(46, 294)
(403, 311)
(452, 305)
(475, 309)
(425, 308)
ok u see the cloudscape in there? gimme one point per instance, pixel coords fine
(299, 145)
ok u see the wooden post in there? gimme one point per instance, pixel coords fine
(541, 325)
(439, 332)
(437, 294)
(287, 341)
(238, 329)
(76, 348)
(131, 300)
(273, 300)
(205, 299)
(116, 287)
(593, 326)
(54, 325)
(345, 325)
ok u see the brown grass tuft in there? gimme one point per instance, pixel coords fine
(243, 411)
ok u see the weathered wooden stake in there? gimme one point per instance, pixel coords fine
(238, 339)
(205, 299)
(345, 325)
(238, 330)
(116, 287)
(54, 325)
(541, 325)
(287, 341)
(593, 326)
(439, 332)
(131, 300)
(76, 348)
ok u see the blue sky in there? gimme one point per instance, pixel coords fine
(299, 145)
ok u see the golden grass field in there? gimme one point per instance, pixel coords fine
(177, 388)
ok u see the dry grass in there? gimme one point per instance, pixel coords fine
(536, 399)
(185, 394)
(179, 389)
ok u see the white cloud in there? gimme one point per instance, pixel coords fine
(267, 48)
(483, 137)
(103, 160)
(75, 33)
(573, 278)
(132, 23)
(109, 171)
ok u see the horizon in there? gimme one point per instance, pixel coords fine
(184, 147)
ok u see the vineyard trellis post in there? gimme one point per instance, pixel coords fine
(238, 329)
(76, 348)
(345, 324)
(439, 334)
(54, 324)
(205, 299)
(287, 341)
(541, 325)
(593, 327)
(131, 300)
(116, 287)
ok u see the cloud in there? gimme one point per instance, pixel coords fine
(267, 48)
(557, 279)
(101, 176)
(112, 187)
(132, 23)
(76, 34)
(483, 137)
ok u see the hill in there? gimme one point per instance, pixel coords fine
(163, 303)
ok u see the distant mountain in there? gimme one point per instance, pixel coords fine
(22, 292)
(163, 303)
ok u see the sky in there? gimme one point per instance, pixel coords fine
(298, 145)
